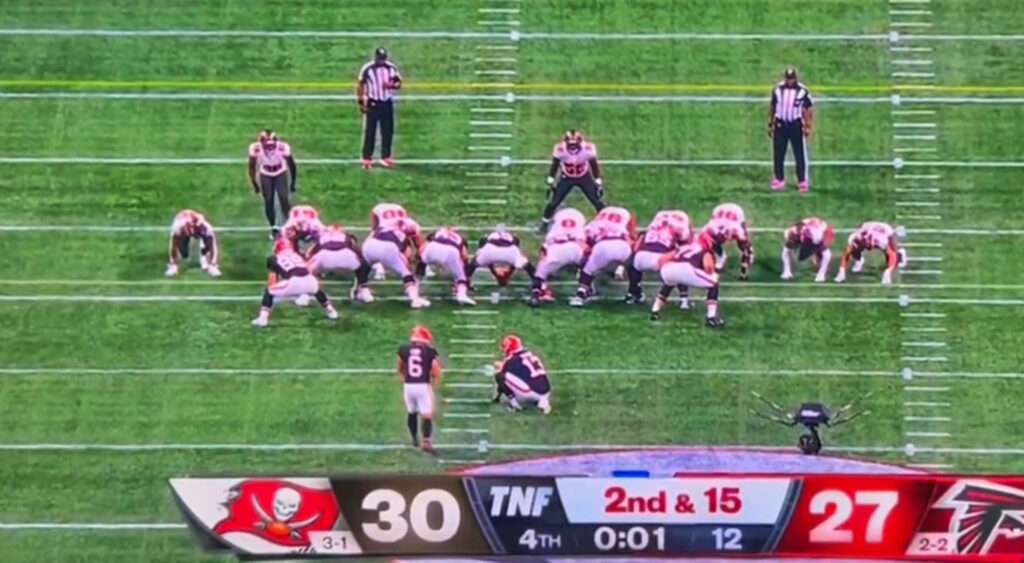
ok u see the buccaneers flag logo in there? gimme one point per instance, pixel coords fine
(987, 517)
(278, 511)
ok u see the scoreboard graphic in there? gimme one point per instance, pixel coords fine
(910, 517)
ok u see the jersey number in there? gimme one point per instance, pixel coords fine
(288, 263)
(533, 363)
(727, 215)
(574, 169)
(415, 365)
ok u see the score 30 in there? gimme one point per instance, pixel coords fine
(714, 500)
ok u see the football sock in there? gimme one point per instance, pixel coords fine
(529, 269)
(268, 299)
(635, 277)
(421, 269)
(713, 302)
(322, 299)
(428, 428)
(362, 273)
(410, 287)
(471, 267)
(585, 282)
(268, 210)
(411, 420)
(663, 294)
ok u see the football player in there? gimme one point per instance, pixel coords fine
(810, 238)
(564, 245)
(337, 251)
(269, 159)
(873, 235)
(576, 158)
(499, 251)
(447, 250)
(188, 225)
(729, 223)
(610, 238)
(419, 368)
(381, 215)
(520, 377)
(666, 232)
(693, 265)
(390, 244)
(290, 276)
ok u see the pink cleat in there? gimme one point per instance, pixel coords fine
(778, 184)
(387, 162)
(804, 187)
(367, 164)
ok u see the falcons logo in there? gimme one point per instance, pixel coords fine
(983, 512)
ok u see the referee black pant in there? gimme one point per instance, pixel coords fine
(790, 133)
(271, 187)
(379, 114)
(585, 183)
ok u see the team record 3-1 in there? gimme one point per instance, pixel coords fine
(911, 517)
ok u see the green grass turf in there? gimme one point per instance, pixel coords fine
(620, 402)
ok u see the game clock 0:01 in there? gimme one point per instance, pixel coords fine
(633, 539)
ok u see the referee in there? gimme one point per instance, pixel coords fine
(375, 89)
(790, 119)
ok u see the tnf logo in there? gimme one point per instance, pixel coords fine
(520, 501)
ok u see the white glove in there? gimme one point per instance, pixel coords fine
(841, 277)
(172, 270)
(551, 180)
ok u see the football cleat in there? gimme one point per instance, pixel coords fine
(543, 226)
(819, 277)
(387, 162)
(576, 301)
(534, 300)
(620, 272)
(302, 300)
(684, 303)
(465, 300)
(367, 164)
(858, 266)
(362, 294)
(415, 441)
(332, 313)
(655, 316)
(715, 322)
(203, 262)
(214, 271)
(841, 276)
(260, 322)
(378, 271)
(428, 445)
(546, 409)
(804, 187)
(429, 272)
(778, 184)
(420, 303)
(787, 275)
(172, 270)
(547, 296)
(635, 298)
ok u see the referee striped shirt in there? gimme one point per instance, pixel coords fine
(790, 101)
(377, 76)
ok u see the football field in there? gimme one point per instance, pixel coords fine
(116, 115)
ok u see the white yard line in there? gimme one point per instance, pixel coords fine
(197, 161)
(571, 98)
(567, 371)
(78, 298)
(405, 34)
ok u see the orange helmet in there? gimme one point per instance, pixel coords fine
(511, 344)
(282, 244)
(421, 333)
(335, 228)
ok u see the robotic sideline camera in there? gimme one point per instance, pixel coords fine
(810, 416)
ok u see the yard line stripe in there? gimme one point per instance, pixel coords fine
(472, 162)
(384, 34)
(925, 344)
(486, 356)
(922, 418)
(917, 203)
(472, 341)
(907, 74)
(912, 125)
(910, 12)
(924, 359)
(469, 385)
(922, 245)
(924, 259)
(929, 404)
(467, 415)
(927, 389)
(910, 24)
(501, 72)
(913, 62)
(490, 135)
(926, 273)
(450, 430)
(495, 60)
(497, 47)
(923, 315)
(918, 190)
(931, 465)
(929, 434)
(923, 329)
(498, 10)
(900, 49)
(489, 123)
(511, 23)
(918, 176)
(491, 110)
(574, 98)
(913, 112)
(476, 327)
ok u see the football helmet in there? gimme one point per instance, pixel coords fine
(282, 244)
(420, 333)
(573, 140)
(268, 139)
(511, 344)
